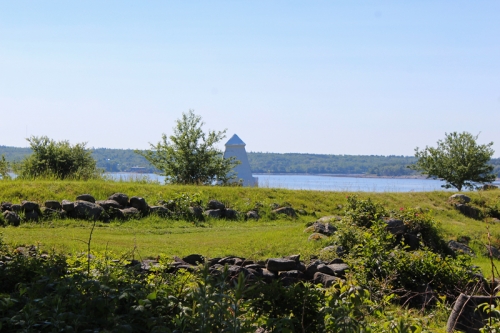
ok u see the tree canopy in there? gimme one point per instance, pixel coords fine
(60, 160)
(458, 159)
(189, 156)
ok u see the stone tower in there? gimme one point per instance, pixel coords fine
(235, 147)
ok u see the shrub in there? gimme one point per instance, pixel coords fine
(384, 265)
(58, 160)
(363, 213)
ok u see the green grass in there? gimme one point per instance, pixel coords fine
(267, 237)
(271, 236)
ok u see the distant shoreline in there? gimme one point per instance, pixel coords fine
(350, 175)
(353, 175)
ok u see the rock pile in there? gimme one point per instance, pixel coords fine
(461, 203)
(287, 270)
(117, 206)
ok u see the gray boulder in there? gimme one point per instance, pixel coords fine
(108, 204)
(412, 241)
(53, 213)
(130, 213)
(252, 215)
(53, 204)
(67, 205)
(267, 275)
(214, 204)
(6, 206)
(286, 211)
(194, 259)
(214, 213)
(121, 198)
(495, 253)
(395, 226)
(196, 212)
(87, 210)
(140, 204)
(281, 264)
(230, 214)
(85, 197)
(316, 236)
(31, 215)
(11, 218)
(339, 269)
(468, 211)
(325, 279)
(160, 211)
(29, 206)
(462, 198)
(312, 268)
(460, 248)
(115, 213)
(295, 257)
(328, 249)
(296, 274)
(323, 228)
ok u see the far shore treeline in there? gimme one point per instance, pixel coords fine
(123, 160)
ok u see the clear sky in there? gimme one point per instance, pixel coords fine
(328, 77)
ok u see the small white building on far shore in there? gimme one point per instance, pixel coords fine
(235, 147)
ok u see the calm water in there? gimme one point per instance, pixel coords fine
(323, 183)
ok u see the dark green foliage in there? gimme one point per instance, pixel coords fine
(421, 224)
(293, 308)
(189, 155)
(180, 205)
(53, 295)
(363, 212)
(4, 168)
(331, 164)
(121, 160)
(387, 265)
(458, 160)
(59, 160)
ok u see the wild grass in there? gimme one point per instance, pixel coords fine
(268, 237)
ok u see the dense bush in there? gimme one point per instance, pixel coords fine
(77, 294)
(384, 263)
(57, 160)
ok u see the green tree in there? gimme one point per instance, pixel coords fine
(60, 160)
(458, 160)
(4, 168)
(189, 156)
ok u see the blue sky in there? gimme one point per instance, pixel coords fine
(328, 77)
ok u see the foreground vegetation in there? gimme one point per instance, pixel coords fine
(381, 294)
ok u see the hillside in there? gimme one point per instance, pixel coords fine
(122, 160)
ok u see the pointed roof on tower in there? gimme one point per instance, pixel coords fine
(235, 141)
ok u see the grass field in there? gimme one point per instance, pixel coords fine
(269, 237)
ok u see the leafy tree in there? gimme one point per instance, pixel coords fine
(190, 156)
(51, 159)
(4, 168)
(458, 160)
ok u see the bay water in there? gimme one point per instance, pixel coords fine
(320, 182)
